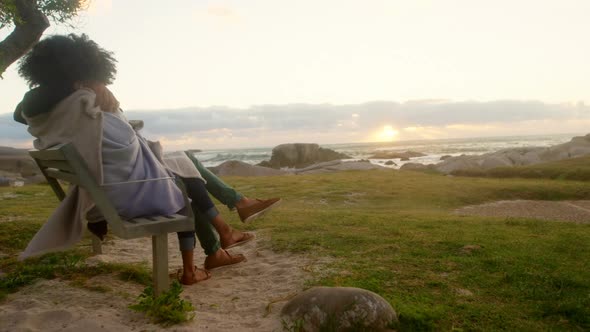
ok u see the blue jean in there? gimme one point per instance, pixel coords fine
(204, 211)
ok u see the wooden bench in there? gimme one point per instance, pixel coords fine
(63, 162)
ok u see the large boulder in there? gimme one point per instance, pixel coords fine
(530, 158)
(576, 147)
(404, 155)
(239, 168)
(17, 161)
(339, 309)
(339, 165)
(416, 167)
(495, 161)
(458, 163)
(299, 155)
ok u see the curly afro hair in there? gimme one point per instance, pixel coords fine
(65, 60)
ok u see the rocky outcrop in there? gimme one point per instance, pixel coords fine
(577, 147)
(405, 155)
(24, 165)
(339, 309)
(8, 151)
(299, 155)
(339, 165)
(416, 167)
(239, 168)
(17, 161)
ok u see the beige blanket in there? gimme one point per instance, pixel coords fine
(76, 120)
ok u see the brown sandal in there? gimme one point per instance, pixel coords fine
(246, 237)
(233, 259)
(179, 276)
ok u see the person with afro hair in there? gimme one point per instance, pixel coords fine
(70, 103)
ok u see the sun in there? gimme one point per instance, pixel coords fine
(387, 134)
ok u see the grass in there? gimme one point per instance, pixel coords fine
(394, 233)
(167, 308)
(27, 208)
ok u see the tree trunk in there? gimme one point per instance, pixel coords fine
(27, 32)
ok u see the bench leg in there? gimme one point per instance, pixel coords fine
(160, 263)
(96, 245)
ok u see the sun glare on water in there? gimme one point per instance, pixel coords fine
(387, 134)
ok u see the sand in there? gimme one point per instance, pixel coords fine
(245, 297)
(565, 211)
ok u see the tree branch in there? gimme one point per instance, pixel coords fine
(28, 29)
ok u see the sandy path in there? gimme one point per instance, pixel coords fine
(246, 297)
(567, 211)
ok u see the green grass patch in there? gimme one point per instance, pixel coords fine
(392, 232)
(166, 309)
(69, 265)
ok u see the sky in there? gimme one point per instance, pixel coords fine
(222, 74)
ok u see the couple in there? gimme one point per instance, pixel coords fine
(69, 103)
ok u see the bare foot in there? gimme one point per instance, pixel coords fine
(222, 258)
(194, 276)
(235, 238)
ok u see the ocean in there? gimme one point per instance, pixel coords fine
(433, 149)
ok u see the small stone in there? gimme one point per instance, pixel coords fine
(340, 309)
(464, 292)
(470, 248)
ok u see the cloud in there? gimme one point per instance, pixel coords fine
(217, 14)
(269, 125)
(221, 11)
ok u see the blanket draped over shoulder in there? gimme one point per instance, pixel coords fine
(76, 120)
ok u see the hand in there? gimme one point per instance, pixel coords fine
(104, 97)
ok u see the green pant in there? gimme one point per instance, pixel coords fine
(227, 195)
(203, 208)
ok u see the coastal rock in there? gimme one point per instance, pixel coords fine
(495, 161)
(239, 168)
(4, 181)
(339, 165)
(339, 309)
(390, 163)
(415, 167)
(458, 163)
(576, 147)
(299, 155)
(396, 154)
(530, 158)
(18, 161)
